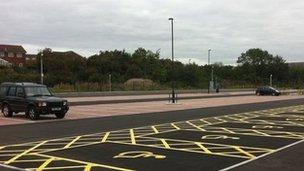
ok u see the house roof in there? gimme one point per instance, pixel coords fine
(12, 48)
(66, 52)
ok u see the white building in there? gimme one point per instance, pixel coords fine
(4, 63)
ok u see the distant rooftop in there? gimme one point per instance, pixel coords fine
(12, 48)
(66, 52)
(296, 64)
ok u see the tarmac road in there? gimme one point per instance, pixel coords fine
(199, 139)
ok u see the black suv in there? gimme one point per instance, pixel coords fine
(33, 99)
(267, 90)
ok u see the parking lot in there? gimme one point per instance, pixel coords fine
(219, 142)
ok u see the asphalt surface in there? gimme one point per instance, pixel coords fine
(289, 159)
(166, 140)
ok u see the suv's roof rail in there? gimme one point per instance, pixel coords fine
(7, 83)
(19, 83)
(28, 83)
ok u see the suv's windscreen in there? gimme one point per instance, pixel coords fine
(37, 91)
(272, 89)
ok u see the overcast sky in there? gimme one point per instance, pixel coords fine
(228, 27)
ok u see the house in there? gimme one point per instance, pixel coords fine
(14, 54)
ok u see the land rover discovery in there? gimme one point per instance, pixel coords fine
(33, 99)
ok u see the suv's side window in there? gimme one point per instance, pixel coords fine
(3, 90)
(19, 90)
(12, 91)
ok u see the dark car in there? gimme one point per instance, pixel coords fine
(267, 91)
(33, 99)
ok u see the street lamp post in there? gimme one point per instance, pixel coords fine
(209, 51)
(270, 80)
(209, 54)
(172, 48)
(41, 69)
(110, 82)
(212, 77)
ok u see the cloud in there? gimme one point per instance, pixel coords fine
(229, 27)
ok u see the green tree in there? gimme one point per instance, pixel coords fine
(256, 65)
(62, 67)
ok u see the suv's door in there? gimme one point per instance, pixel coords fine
(267, 91)
(262, 90)
(3, 92)
(20, 99)
(11, 97)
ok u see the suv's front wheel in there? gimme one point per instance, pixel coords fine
(32, 113)
(6, 110)
(60, 115)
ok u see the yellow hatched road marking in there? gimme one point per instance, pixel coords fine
(259, 132)
(144, 135)
(290, 133)
(244, 152)
(59, 149)
(105, 137)
(294, 108)
(13, 151)
(220, 119)
(7, 154)
(195, 126)
(25, 161)
(45, 164)
(72, 142)
(25, 152)
(176, 127)
(82, 162)
(132, 136)
(185, 150)
(165, 143)
(57, 168)
(2, 147)
(251, 132)
(88, 167)
(154, 129)
(203, 148)
(207, 143)
(205, 121)
(225, 129)
(256, 151)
